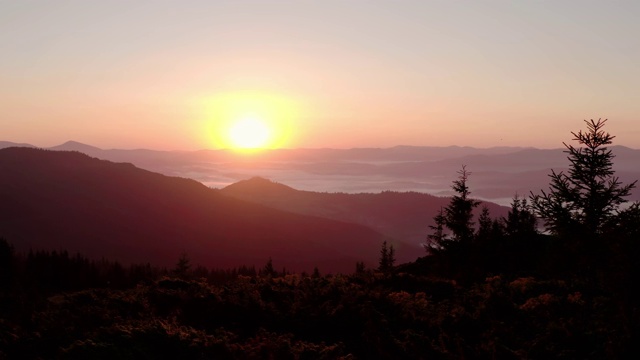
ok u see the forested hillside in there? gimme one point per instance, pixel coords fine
(67, 200)
(402, 216)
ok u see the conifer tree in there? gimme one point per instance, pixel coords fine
(520, 219)
(459, 213)
(183, 266)
(383, 263)
(437, 239)
(457, 217)
(387, 258)
(268, 269)
(590, 194)
(391, 258)
(485, 225)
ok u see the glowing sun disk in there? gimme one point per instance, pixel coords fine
(249, 133)
(248, 120)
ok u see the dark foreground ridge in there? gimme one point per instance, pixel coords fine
(67, 200)
(59, 306)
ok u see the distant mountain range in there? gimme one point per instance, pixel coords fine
(6, 144)
(68, 200)
(497, 174)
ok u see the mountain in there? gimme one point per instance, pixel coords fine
(403, 216)
(6, 144)
(68, 200)
(76, 146)
(497, 174)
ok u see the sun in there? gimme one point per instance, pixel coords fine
(249, 133)
(248, 121)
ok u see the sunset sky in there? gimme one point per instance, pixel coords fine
(184, 75)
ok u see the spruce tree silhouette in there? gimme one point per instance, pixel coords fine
(457, 217)
(583, 210)
(485, 226)
(520, 220)
(387, 258)
(455, 248)
(182, 266)
(589, 195)
(436, 240)
(459, 213)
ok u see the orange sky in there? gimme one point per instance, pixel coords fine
(343, 74)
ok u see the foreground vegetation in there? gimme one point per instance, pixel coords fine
(497, 289)
(275, 316)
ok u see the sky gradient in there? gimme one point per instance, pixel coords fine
(341, 74)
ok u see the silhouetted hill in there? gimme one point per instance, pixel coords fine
(6, 144)
(404, 216)
(498, 173)
(54, 200)
(76, 146)
(259, 187)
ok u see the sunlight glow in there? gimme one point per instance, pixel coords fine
(249, 133)
(249, 120)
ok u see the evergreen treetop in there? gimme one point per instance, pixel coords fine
(459, 213)
(590, 194)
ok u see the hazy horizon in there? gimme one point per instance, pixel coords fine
(257, 151)
(497, 173)
(332, 74)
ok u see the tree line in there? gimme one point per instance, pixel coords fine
(587, 228)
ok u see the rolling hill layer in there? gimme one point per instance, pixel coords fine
(403, 216)
(61, 199)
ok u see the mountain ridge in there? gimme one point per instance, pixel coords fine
(497, 173)
(60, 199)
(404, 216)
